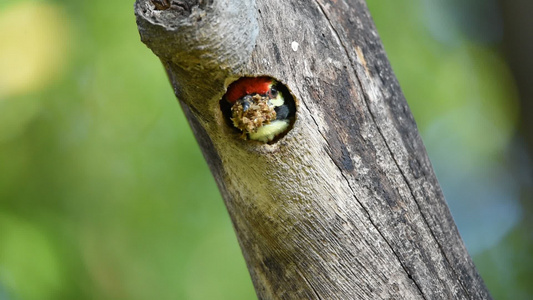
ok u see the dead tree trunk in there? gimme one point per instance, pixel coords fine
(346, 204)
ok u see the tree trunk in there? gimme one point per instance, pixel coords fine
(346, 204)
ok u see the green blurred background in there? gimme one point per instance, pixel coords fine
(104, 193)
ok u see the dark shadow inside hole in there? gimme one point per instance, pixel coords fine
(264, 87)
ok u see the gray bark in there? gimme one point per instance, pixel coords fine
(346, 205)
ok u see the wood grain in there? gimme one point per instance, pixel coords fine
(346, 205)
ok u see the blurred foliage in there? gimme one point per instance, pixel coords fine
(447, 57)
(104, 193)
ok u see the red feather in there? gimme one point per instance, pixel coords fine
(247, 86)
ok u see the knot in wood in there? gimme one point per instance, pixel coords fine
(182, 7)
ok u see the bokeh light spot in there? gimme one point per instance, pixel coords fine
(34, 47)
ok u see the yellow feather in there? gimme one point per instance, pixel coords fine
(267, 133)
(278, 101)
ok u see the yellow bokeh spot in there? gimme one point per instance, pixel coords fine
(34, 46)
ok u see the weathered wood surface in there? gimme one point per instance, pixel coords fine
(346, 205)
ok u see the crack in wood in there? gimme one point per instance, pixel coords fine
(321, 232)
(355, 197)
(384, 140)
(423, 216)
(308, 283)
(391, 153)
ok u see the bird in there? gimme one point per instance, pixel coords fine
(260, 108)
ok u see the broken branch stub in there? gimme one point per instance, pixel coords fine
(201, 43)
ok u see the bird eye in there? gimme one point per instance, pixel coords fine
(273, 92)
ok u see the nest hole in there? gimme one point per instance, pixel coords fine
(259, 108)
